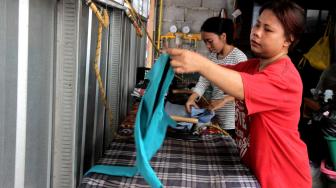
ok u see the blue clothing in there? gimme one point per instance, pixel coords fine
(203, 115)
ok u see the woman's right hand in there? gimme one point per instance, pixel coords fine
(186, 61)
(217, 104)
(191, 102)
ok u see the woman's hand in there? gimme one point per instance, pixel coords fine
(217, 104)
(185, 61)
(191, 102)
(229, 81)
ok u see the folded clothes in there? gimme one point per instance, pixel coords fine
(203, 115)
(178, 110)
(175, 109)
(184, 126)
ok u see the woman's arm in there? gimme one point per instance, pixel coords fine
(230, 81)
(217, 104)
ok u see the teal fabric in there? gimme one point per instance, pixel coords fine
(150, 125)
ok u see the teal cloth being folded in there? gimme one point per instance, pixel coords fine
(150, 126)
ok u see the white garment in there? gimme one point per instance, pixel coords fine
(226, 114)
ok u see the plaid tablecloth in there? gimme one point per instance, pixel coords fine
(212, 161)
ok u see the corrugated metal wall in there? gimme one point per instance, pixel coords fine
(8, 89)
(35, 124)
(66, 127)
(121, 53)
(118, 66)
(66, 99)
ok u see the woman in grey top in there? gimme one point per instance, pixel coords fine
(217, 33)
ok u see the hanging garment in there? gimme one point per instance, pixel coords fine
(150, 125)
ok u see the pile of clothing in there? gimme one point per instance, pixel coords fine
(327, 113)
(324, 94)
(139, 89)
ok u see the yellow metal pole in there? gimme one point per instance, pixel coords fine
(159, 27)
(150, 29)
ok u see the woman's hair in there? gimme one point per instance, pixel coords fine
(291, 17)
(219, 26)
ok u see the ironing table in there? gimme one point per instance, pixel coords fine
(211, 161)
